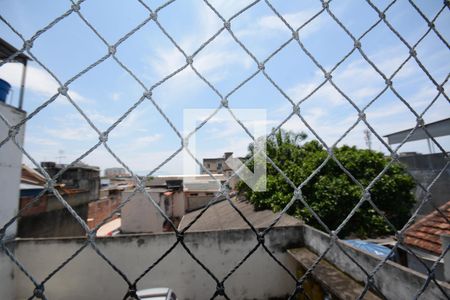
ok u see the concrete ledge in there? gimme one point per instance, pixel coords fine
(88, 276)
(330, 278)
(393, 280)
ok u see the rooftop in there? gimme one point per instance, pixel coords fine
(426, 233)
(7, 50)
(222, 216)
(435, 129)
(31, 176)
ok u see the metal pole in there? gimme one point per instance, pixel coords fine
(429, 146)
(22, 83)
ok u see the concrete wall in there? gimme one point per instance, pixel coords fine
(445, 239)
(424, 168)
(199, 200)
(89, 277)
(53, 223)
(179, 204)
(10, 167)
(139, 215)
(101, 209)
(7, 285)
(427, 259)
(394, 281)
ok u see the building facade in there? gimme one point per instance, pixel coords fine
(115, 172)
(175, 195)
(220, 165)
(47, 216)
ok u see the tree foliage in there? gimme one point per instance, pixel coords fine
(331, 193)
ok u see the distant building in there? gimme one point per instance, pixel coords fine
(110, 199)
(103, 211)
(46, 216)
(425, 168)
(79, 176)
(219, 165)
(175, 195)
(122, 181)
(115, 172)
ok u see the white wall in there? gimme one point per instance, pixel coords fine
(10, 167)
(179, 204)
(89, 277)
(7, 288)
(139, 215)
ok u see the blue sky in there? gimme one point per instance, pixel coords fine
(144, 139)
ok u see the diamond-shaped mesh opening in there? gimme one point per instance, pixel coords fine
(119, 89)
(255, 34)
(428, 57)
(78, 48)
(149, 55)
(340, 42)
(376, 64)
(113, 16)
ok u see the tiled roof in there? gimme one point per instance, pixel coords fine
(222, 216)
(426, 233)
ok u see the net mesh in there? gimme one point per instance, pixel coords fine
(222, 104)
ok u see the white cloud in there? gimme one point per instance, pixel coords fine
(213, 62)
(72, 133)
(145, 141)
(98, 117)
(357, 79)
(116, 96)
(325, 110)
(327, 93)
(37, 81)
(42, 141)
(272, 24)
(227, 8)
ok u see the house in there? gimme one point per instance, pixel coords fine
(222, 216)
(425, 238)
(115, 172)
(109, 200)
(220, 165)
(216, 165)
(42, 214)
(176, 195)
(78, 176)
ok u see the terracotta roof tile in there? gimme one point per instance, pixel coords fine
(426, 233)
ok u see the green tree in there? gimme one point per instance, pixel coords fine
(331, 193)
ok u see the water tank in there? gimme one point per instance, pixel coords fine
(4, 90)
